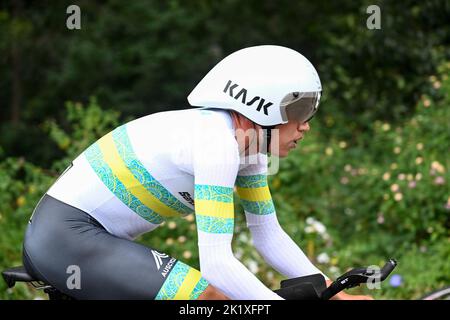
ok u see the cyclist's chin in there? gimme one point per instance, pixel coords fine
(280, 152)
(284, 154)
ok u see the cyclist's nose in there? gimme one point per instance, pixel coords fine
(304, 126)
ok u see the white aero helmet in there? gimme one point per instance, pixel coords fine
(268, 84)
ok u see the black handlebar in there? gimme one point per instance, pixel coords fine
(313, 287)
(357, 276)
(387, 269)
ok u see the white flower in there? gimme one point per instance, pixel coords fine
(398, 196)
(187, 254)
(253, 266)
(243, 237)
(323, 258)
(334, 270)
(437, 84)
(349, 211)
(437, 167)
(344, 180)
(362, 171)
(172, 225)
(320, 228)
(310, 220)
(314, 226)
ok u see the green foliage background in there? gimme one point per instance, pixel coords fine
(370, 182)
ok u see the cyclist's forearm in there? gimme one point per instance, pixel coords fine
(277, 248)
(219, 266)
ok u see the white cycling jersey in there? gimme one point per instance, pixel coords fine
(175, 163)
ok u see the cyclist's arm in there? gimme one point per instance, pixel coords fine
(215, 172)
(270, 240)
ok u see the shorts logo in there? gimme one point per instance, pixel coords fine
(158, 256)
(168, 267)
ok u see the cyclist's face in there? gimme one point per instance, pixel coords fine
(289, 135)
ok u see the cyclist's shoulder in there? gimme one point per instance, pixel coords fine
(255, 164)
(185, 119)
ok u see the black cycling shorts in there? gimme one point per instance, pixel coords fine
(68, 249)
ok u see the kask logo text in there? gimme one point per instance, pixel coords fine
(241, 94)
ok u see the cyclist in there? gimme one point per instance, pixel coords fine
(256, 101)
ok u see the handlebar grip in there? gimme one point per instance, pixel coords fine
(387, 268)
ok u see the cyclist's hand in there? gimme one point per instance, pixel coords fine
(345, 296)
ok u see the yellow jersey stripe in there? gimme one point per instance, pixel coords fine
(120, 170)
(213, 208)
(190, 281)
(254, 194)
